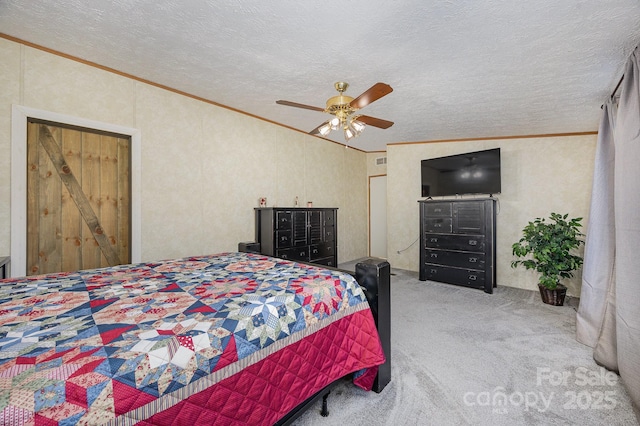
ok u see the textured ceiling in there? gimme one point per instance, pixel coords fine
(459, 68)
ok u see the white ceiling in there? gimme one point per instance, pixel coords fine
(459, 68)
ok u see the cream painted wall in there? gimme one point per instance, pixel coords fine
(374, 169)
(203, 167)
(539, 176)
(10, 89)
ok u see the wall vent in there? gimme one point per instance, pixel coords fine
(381, 161)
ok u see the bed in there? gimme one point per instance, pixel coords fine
(233, 338)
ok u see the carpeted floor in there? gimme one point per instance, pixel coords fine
(464, 357)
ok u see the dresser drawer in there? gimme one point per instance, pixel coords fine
(327, 261)
(283, 220)
(438, 209)
(317, 251)
(442, 224)
(329, 233)
(283, 239)
(294, 253)
(329, 218)
(455, 242)
(455, 258)
(460, 276)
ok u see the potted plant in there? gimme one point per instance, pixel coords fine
(549, 248)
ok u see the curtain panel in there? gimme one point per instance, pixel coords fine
(609, 315)
(599, 251)
(627, 223)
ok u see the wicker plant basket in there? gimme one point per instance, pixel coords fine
(553, 297)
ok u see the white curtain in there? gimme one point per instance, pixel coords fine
(599, 252)
(609, 314)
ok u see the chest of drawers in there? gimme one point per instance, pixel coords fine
(294, 233)
(457, 242)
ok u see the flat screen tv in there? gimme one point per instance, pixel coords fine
(471, 173)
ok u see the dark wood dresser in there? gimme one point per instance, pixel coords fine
(458, 242)
(298, 233)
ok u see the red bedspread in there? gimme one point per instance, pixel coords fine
(234, 338)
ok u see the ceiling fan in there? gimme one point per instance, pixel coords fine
(344, 109)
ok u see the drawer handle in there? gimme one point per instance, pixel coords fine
(472, 277)
(434, 240)
(473, 242)
(434, 255)
(301, 253)
(433, 271)
(473, 259)
(315, 251)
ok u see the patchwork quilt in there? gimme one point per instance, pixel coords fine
(234, 338)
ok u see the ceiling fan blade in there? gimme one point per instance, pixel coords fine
(297, 105)
(375, 122)
(374, 93)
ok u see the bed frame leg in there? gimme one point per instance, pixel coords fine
(325, 406)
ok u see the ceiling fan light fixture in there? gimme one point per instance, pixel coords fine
(325, 129)
(343, 109)
(349, 133)
(357, 126)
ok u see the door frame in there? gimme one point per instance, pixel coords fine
(369, 208)
(19, 116)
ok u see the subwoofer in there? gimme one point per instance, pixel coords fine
(249, 247)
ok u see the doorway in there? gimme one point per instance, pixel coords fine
(20, 116)
(378, 216)
(78, 198)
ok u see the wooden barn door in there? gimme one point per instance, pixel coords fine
(78, 198)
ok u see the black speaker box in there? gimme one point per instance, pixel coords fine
(249, 247)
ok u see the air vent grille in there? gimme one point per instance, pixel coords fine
(380, 161)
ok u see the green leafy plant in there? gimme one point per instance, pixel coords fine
(548, 246)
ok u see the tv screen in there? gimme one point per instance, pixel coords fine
(471, 173)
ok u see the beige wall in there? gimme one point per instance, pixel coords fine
(539, 176)
(374, 169)
(203, 167)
